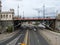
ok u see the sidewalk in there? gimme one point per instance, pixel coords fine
(5, 36)
(52, 37)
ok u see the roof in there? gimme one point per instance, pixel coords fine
(6, 12)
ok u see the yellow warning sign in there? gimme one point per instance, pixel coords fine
(23, 44)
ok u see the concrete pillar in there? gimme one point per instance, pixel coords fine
(57, 22)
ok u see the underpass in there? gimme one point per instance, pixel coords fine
(48, 22)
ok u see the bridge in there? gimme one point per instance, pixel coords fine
(49, 22)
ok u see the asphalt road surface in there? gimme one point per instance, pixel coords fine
(34, 38)
(18, 38)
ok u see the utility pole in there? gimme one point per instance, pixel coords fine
(38, 12)
(43, 11)
(18, 10)
(56, 13)
(23, 14)
(0, 6)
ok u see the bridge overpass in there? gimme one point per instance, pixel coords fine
(48, 21)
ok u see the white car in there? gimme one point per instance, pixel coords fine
(42, 26)
(34, 29)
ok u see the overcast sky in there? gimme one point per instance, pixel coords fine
(28, 6)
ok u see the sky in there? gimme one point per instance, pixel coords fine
(29, 6)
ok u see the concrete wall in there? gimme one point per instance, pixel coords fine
(58, 24)
(5, 24)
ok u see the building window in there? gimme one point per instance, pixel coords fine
(1, 16)
(9, 16)
(6, 16)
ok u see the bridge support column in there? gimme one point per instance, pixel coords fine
(57, 26)
(17, 24)
(52, 24)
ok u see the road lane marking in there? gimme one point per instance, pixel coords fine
(15, 40)
(26, 38)
(19, 43)
(38, 41)
(36, 37)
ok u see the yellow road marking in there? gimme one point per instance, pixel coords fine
(26, 38)
(23, 44)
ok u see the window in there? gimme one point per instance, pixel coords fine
(3, 16)
(6, 16)
(9, 16)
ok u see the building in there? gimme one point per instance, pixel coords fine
(58, 22)
(6, 18)
(7, 15)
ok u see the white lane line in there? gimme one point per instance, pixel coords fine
(15, 40)
(38, 41)
(37, 38)
(19, 43)
(29, 37)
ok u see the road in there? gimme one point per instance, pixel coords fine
(16, 39)
(34, 38)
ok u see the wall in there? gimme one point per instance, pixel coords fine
(58, 24)
(5, 24)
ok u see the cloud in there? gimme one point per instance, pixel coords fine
(28, 5)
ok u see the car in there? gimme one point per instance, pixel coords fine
(34, 29)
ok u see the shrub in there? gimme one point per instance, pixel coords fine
(9, 28)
